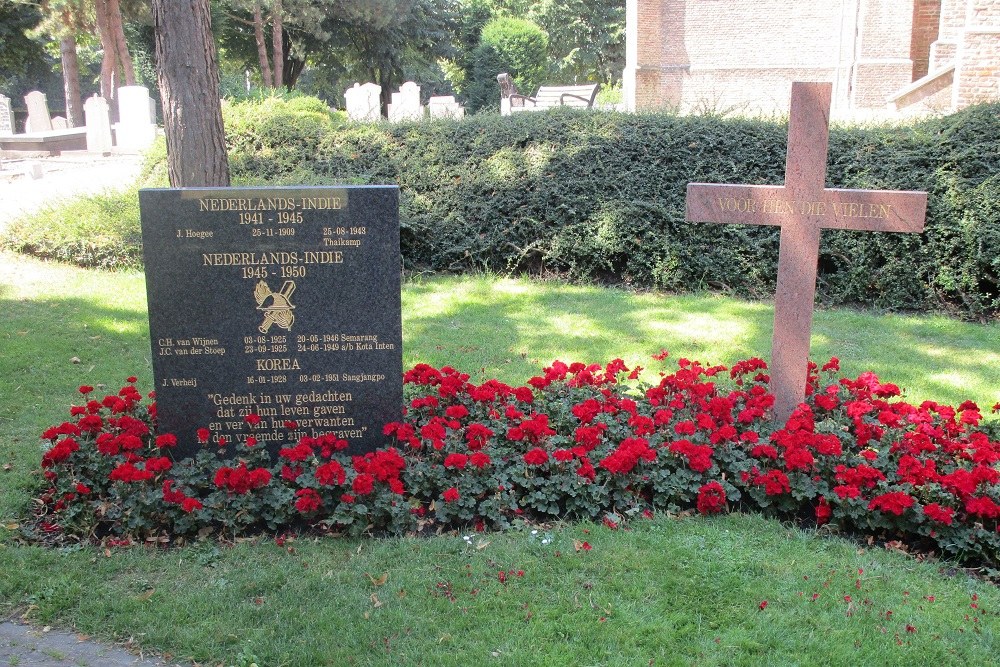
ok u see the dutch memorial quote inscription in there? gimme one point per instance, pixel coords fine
(279, 302)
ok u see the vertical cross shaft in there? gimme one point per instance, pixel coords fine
(798, 253)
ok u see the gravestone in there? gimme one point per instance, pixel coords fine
(364, 103)
(445, 106)
(6, 117)
(405, 104)
(98, 120)
(802, 207)
(280, 302)
(60, 123)
(38, 113)
(136, 128)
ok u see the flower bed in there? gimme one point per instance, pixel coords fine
(575, 442)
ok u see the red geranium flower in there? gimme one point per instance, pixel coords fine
(363, 484)
(308, 501)
(711, 498)
(536, 456)
(450, 495)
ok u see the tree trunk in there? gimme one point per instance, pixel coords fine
(121, 46)
(188, 74)
(258, 34)
(71, 81)
(277, 43)
(108, 59)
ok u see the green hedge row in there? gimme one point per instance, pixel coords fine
(600, 196)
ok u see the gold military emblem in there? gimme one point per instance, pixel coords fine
(277, 306)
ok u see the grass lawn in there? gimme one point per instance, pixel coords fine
(669, 590)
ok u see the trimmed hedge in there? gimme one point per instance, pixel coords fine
(600, 196)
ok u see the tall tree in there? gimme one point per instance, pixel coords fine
(383, 38)
(116, 66)
(63, 20)
(188, 74)
(295, 30)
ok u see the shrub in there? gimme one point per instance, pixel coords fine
(599, 196)
(271, 137)
(506, 44)
(577, 441)
(100, 230)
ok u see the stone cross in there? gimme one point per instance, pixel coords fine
(6, 117)
(363, 103)
(802, 207)
(38, 112)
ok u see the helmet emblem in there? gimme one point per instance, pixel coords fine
(277, 306)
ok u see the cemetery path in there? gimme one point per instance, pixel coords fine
(61, 177)
(27, 646)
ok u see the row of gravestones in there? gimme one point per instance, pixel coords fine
(135, 130)
(364, 102)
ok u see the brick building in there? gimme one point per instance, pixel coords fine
(904, 56)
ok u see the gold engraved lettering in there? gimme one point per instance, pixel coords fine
(214, 204)
(321, 203)
(324, 257)
(278, 364)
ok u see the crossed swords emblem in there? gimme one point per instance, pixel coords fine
(279, 311)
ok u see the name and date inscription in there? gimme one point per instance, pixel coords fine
(275, 360)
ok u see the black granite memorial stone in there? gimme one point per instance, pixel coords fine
(277, 302)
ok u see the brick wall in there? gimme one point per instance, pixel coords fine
(977, 75)
(742, 55)
(926, 19)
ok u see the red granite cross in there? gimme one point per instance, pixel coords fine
(802, 207)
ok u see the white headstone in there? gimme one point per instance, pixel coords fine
(59, 123)
(6, 117)
(38, 112)
(364, 102)
(135, 129)
(405, 104)
(445, 106)
(98, 119)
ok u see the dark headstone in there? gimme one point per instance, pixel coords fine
(282, 302)
(802, 207)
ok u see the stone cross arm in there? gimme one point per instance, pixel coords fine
(829, 208)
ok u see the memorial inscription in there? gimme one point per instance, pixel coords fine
(277, 302)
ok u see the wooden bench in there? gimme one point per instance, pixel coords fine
(582, 96)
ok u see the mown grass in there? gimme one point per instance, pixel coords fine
(674, 591)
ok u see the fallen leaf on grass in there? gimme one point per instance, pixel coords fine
(12, 526)
(7, 467)
(145, 596)
(380, 581)
(375, 601)
(482, 545)
(82, 637)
